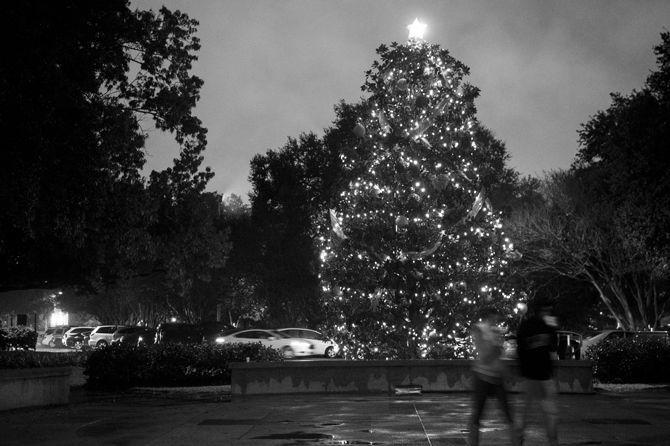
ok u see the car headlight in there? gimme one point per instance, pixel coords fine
(140, 339)
(220, 340)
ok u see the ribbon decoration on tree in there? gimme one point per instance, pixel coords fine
(464, 176)
(439, 108)
(414, 255)
(477, 205)
(375, 299)
(383, 122)
(337, 227)
(417, 132)
(421, 127)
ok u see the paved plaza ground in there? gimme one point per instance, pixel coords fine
(209, 417)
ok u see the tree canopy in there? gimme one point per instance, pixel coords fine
(623, 154)
(84, 78)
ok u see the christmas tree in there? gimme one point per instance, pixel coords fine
(414, 249)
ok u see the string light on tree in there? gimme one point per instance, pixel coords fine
(414, 248)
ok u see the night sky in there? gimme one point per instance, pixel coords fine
(275, 68)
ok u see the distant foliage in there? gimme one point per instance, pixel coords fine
(631, 361)
(456, 350)
(120, 366)
(24, 359)
(18, 338)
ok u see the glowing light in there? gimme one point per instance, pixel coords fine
(58, 317)
(416, 29)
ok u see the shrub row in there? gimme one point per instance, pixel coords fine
(121, 366)
(24, 359)
(635, 360)
(16, 338)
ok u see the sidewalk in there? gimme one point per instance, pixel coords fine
(175, 418)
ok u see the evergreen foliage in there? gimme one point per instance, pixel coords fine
(415, 249)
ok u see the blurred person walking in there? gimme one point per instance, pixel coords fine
(488, 373)
(536, 348)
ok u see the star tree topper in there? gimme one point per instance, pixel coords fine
(416, 29)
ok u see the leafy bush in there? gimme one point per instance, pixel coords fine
(121, 366)
(16, 338)
(631, 360)
(23, 359)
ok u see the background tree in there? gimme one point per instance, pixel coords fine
(415, 248)
(182, 275)
(573, 234)
(606, 220)
(193, 244)
(240, 302)
(287, 191)
(84, 76)
(623, 154)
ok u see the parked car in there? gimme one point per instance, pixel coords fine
(134, 335)
(79, 341)
(53, 337)
(41, 337)
(102, 335)
(178, 332)
(75, 337)
(617, 334)
(212, 329)
(322, 345)
(568, 345)
(290, 347)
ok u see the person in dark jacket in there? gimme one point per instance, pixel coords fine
(536, 348)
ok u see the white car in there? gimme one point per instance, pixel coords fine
(322, 345)
(53, 337)
(102, 335)
(290, 347)
(73, 331)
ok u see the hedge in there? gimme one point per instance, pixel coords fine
(631, 360)
(122, 366)
(18, 338)
(24, 359)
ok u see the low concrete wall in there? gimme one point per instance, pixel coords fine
(34, 387)
(339, 376)
(77, 378)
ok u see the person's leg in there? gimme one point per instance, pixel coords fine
(480, 391)
(530, 393)
(549, 410)
(501, 394)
